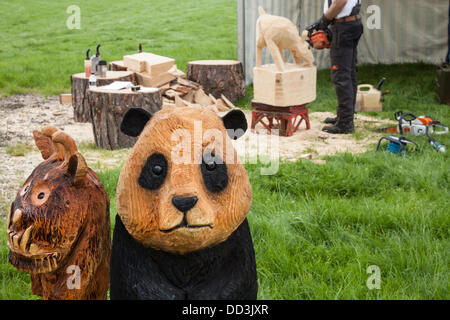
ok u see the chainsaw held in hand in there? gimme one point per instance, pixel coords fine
(408, 123)
(319, 38)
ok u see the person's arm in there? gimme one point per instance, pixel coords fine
(332, 12)
(335, 8)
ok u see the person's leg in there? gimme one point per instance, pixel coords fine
(343, 74)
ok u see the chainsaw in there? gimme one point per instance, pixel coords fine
(416, 126)
(396, 145)
(318, 38)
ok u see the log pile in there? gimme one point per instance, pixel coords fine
(162, 73)
(182, 92)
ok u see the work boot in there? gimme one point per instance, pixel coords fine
(331, 120)
(339, 128)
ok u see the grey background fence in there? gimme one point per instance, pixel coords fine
(408, 30)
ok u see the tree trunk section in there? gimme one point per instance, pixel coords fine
(107, 109)
(80, 84)
(219, 77)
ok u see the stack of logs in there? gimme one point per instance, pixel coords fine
(182, 92)
(177, 90)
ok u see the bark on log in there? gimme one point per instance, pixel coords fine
(219, 77)
(80, 84)
(107, 109)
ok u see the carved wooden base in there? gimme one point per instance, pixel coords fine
(294, 86)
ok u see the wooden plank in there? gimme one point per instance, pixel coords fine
(147, 80)
(65, 98)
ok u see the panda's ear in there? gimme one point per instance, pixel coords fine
(235, 123)
(134, 121)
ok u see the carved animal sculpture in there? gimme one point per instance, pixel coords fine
(278, 33)
(181, 231)
(58, 226)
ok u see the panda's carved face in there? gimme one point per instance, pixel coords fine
(182, 206)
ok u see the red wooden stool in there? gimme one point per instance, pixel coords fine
(287, 119)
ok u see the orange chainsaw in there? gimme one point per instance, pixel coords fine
(415, 126)
(319, 38)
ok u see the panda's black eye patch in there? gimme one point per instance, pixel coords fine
(154, 172)
(214, 172)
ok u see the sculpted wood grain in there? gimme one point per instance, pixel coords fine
(278, 34)
(182, 200)
(58, 226)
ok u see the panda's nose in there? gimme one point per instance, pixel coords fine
(184, 204)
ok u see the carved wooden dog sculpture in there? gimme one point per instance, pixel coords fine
(181, 231)
(58, 226)
(278, 33)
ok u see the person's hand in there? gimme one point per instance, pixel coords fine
(323, 23)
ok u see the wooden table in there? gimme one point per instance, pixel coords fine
(107, 108)
(80, 84)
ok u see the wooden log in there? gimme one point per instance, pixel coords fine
(80, 84)
(108, 108)
(219, 77)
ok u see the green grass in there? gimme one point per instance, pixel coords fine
(316, 228)
(38, 53)
(19, 150)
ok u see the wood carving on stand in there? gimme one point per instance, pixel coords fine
(80, 84)
(109, 106)
(282, 85)
(278, 34)
(219, 77)
(59, 224)
(181, 230)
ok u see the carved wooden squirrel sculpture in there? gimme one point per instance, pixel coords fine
(181, 231)
(58, 226)
(278, 33)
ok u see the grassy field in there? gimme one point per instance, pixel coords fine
(316, 228)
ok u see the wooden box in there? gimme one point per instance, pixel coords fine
(294, 86)
(148, 62)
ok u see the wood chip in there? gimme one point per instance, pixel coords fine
(221, 105)
(228, 102)
(307, 156)
(213, 98)
(188, 83)
(202, 98)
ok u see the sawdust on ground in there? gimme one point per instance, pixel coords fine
(21, 114)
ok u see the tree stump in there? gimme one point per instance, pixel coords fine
(80, 84)
(219, 77)
(107, 109)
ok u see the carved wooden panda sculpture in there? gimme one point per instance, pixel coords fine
(58, 226)
(181, 231)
